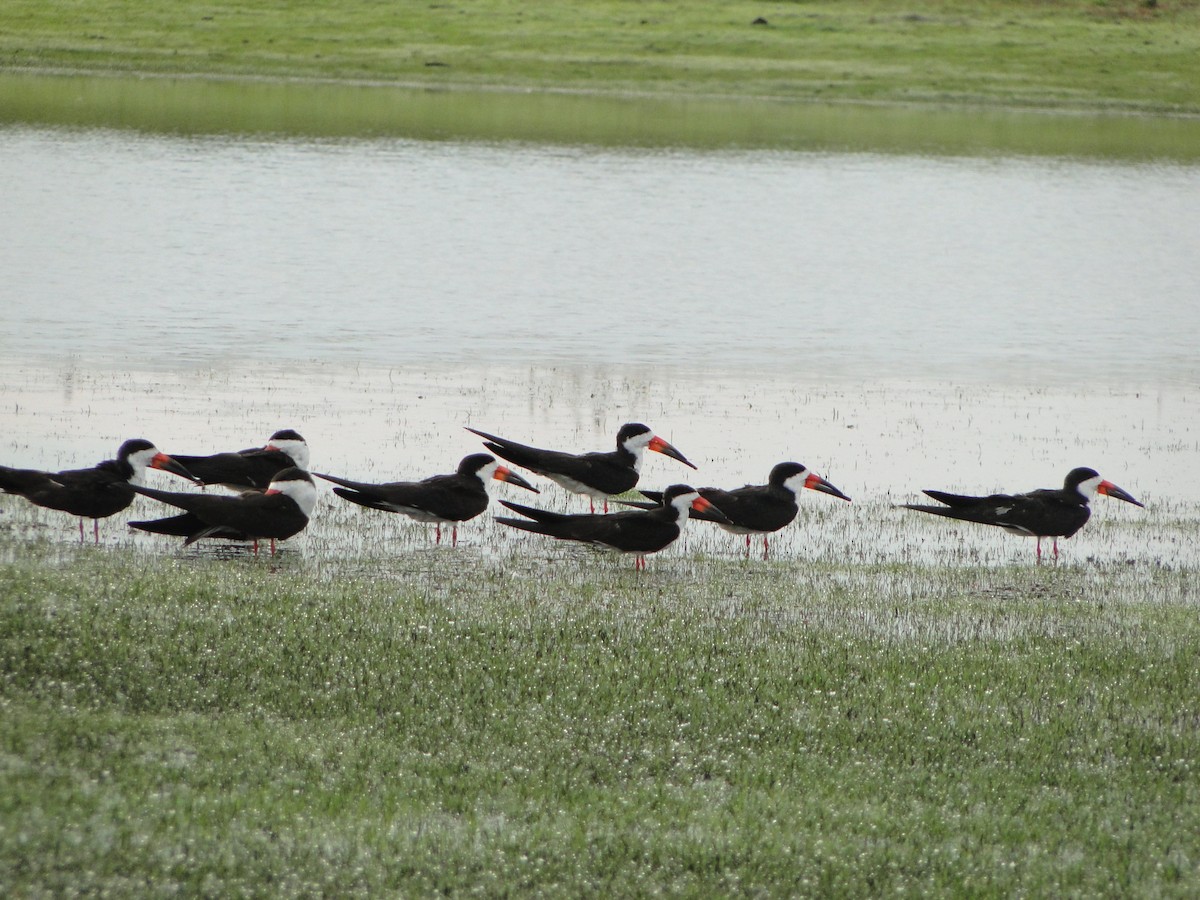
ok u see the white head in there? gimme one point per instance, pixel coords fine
(683, 504)
(485, 467)
(140, 459)
(1088, 483)
(482, 465)
(1089, 487)
(291, 443)
(636, 438)
(141, 455)
(796, 483)
(682, 498)
(487, 472)
(297, 485)
(795, 477)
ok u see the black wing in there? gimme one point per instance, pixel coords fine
(451, 497)
(249, 469)
(1045, 512)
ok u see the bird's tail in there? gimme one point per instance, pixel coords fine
(950, 499)
(519, 454)
(543, 516)
(344, 482)
(363, 499)
(526, 525)
(948, 512)
(180, 526)
(19, 481)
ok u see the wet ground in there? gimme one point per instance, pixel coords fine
(880, 443)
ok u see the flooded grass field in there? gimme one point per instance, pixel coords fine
(881, 443)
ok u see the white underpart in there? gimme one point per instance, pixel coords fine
(1018, 529)
(420, 515)
(297, 450)
(303, 492)
(576, 487)
(140, 462)
(637, 446)
(740, 529)
(1090, 487)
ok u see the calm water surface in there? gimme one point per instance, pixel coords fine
(195, 251)
(894, 322)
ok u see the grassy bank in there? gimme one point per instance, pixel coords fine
(248, 726)
(1099, 54)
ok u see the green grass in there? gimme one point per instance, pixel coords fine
(307, 110)
(249, 726)
(1093, 54)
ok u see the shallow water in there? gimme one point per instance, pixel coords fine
(880, 442)
(893, 322)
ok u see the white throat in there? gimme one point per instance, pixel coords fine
(683, 506)
(303, 493)
(637, 446)
(140, 461)
(487, 473)
(795, 484)
(1090, 487)
(297, 450)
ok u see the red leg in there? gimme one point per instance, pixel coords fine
(256, 546)
(453, 535)
(437, 533)
(606, 512)
(766, 547)
(81, 531)
(1056, 549)
(1039, 550)
(272, 546)
(591, 506)
(96, 531)
(747, 546)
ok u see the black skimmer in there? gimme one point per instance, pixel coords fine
(440, 498)
(598, 475)
(94, 493)
(632, 531)
(279, 512)
(252, 469)
(1048, 512)
(761, 508)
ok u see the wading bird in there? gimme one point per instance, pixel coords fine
(95, 493)
(1048, 512)
(440, 499)
(597, 475)
(760, 508)
(252, 469)
(279, 512)
(631, 531)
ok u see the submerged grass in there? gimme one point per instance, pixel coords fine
(709, 727)
(1092, 54)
